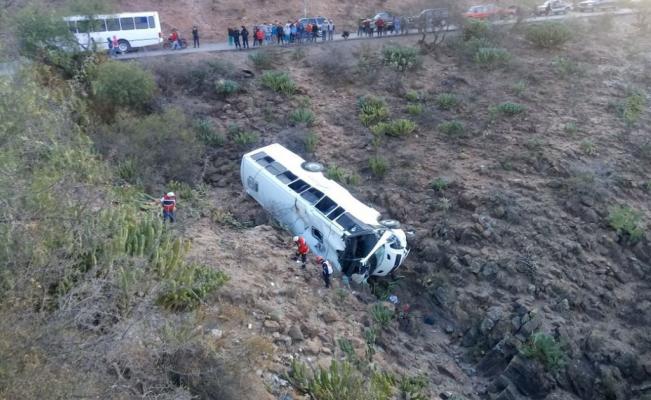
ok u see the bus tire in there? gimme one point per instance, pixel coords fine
(124, 46)
(312, 166)
(390, 223)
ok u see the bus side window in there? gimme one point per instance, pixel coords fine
(317, 235)
(99, 25)
(152, 22)
(251, 183)
(127, 24)
(142, 23)
(113, 24)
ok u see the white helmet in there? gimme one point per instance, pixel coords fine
(295, 239)
(171, 194)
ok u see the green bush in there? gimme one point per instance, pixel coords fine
(189, 287)
(372, 110)
(627, 222)
(566, 67)
(279, 82)
(440, 184)
(226, 87)
(266, 58)
(548, 35)
(491, 57)
(340, 175)
(378, 165)
(413, 388)
(414, 96)
(341, 381)
(395, 128)
(545, 349)
(570, 128)
(415, 109)
(588, 147)
(382, 316)
(447, 101)
(519, 88)
(632, 108)
(471, 47)
(509, 109)
(127, 170)
(310, 141)
(246, 139)
(475, 29)
(207, 133)
(122, 85)
(401, 58)
(452, 128)
(302, 115)
(346, 347)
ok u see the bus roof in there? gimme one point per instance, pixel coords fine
(116, 15)
(330, 188)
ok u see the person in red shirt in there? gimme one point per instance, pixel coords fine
(168, 202)
(380, 26)
(301, 250)
(174, 38)
(258, 36)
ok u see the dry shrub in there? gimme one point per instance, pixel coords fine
(225, 375)
(335, 65)
(161, 147)
(197, 77)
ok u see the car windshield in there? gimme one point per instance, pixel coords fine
(475, 9)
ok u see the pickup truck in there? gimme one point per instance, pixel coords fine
(553, 7)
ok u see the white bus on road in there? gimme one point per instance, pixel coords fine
(335, 225)
(133, 30)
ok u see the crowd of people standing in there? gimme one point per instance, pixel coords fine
(380, 27)
(282, 34)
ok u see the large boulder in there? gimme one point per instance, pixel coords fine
(581, 378)
(529, 377)
(497, 358)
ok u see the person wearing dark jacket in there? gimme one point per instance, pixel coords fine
(195, 36)
(236, 38)
(245, 37)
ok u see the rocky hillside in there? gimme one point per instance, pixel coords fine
(512, 183)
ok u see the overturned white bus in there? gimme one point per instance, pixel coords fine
(334, 224)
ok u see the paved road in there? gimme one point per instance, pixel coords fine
(219, 47)
(10, 68)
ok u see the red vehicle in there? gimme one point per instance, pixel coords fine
(489, 12)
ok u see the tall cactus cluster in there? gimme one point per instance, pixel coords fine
(131, 234)
(189, 286)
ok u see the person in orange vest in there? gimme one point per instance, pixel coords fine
(301, 250)
(168, 202)
(326, 270)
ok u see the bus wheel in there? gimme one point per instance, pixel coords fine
(124, 46)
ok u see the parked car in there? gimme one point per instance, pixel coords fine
(490, 12)
(555, 7)
(386, 16)
(430, 18)
(318, 21)
(596, 5)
